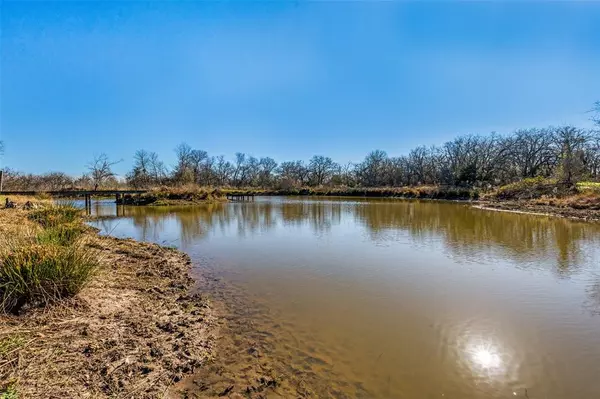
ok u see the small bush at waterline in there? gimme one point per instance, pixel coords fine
(40, 274)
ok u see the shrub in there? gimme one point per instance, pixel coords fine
(40, 274)
(56, 215)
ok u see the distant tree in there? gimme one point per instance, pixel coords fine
(157, 169)
(321, 168)
(83, 182)
(140, 175)
(294, 173)
(570, 143)
(54, 181)
(371, 170)
(198, 160)
(223, 170)
(183, 172)
(100, 169)
(531, 152)
(266, 168)
(239, 170)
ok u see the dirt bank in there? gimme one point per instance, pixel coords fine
(132, 332)
(535, 208)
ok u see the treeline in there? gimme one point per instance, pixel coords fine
(567, 153)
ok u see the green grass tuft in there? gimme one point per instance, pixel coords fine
(56, 215)
(65, 234)
(41, 274)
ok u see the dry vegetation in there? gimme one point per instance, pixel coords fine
(188, 194)
(128, 328)
(547, 196)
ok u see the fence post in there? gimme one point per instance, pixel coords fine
(1, 176)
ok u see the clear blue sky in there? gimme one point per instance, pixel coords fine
(286, 80)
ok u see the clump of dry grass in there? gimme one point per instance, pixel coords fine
(45, 261)
(39, 274)
(56, 215)
(585, 200)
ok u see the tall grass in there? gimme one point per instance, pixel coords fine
(45, 263)
(66, 234)
(41, 274)
(56, 215)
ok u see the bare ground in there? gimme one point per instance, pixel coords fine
(537, 208)
(133, 332)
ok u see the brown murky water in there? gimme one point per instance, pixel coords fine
(395, 299)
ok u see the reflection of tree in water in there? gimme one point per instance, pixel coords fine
(470, 233)
(245, 218)
(467, 233)
(252, 218)
(149, 224)
(320, 216)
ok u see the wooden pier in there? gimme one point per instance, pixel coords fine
(86, 194)
(240, 196)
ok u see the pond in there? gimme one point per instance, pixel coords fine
(394, 298)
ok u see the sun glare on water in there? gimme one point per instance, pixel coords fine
(485, 357)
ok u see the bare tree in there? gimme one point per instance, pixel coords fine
(101, 169)
(223, 170)
(531, 153)
(267, 166)
(183, 172)
(140, 175)
(239, 169)
(570, 143)
(157, 169)
(370, 171)
(321, 168)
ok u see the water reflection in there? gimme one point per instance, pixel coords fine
(468, 234)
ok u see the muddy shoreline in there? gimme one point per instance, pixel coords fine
(134, 331)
